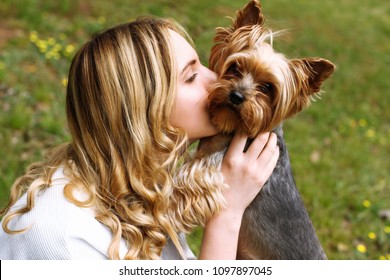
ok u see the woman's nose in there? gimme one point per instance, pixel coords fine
(212, 76)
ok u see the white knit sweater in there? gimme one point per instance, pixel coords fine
(62, 230)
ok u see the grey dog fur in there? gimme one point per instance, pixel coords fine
(276, 225)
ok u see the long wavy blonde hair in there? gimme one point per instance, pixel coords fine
(121, 91)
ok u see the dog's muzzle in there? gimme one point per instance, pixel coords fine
(236, 97)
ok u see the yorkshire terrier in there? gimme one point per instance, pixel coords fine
(257, 89)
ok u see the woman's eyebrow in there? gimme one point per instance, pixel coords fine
(192, 62)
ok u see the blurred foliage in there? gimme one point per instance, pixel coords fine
(339, 147)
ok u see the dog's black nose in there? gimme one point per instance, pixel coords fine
(236, 97)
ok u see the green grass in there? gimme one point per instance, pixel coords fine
(339, 147)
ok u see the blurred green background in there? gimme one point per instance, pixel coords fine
(339, 147)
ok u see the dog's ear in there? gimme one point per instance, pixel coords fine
(309, 74)
(250, 15)
(320, 70)
(312, 72)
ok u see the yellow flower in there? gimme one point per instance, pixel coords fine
(372, 235)
(361, 248)
(387, 229)
(382, 258)
(69, 49)
(370, 133)
(51, 41)
(64, 82)
(57, 47)
(42, 45)
(49, 55)
(367, 203)
(362, 122)
(33, 36)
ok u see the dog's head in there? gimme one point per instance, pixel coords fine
(257, 88)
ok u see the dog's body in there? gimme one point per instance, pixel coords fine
(276, 225)
(257, 89)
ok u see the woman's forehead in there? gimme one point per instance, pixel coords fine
(183, 51)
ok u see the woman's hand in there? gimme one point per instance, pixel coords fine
(245, 173)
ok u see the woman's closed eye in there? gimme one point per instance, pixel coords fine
(191, 78)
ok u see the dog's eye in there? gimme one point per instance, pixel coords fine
(266, 88)
(233, 70)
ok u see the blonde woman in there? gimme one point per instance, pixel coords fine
(136, 98)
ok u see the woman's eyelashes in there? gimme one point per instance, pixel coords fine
(191, 78)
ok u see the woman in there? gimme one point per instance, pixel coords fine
(136, 98)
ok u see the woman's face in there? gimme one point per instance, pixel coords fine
(190, 112)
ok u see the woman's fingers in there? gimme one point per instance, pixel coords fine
(259, 143)
(238, 142)
(268, 158)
